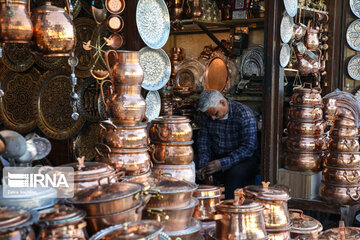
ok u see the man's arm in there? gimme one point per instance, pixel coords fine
(204, 146)
(248, 144)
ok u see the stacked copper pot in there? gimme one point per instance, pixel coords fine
(171, 150)
(123, 139)
(341, 174)
(305, 130)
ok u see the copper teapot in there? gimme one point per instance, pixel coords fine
(308, 62)
(194, 10)
(11, 14)
(299, 31)
(54, 31)
(312, 37)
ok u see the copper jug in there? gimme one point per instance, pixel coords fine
(312, 38)
(299, 31)
(54, 31)
(176, 9)
(127, 68)
(194, 10)
(15, 23)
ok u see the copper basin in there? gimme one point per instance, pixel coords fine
(171, 129)
(307, 144)
(172, 153)
(345, 144)
(340, 194)
(301, 112)
(303, 161)
(297, 128)
(343, 159)
(341, 176)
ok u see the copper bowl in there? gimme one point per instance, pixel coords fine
(172, 153)
(171, 129)
(344, 132)
(303, 161)
(307, 113)
(307, 144)
(208, 197)
(304, 128)
(306, 95)
(341, 176)
(342, 159)
(340, 194)
(345, 144)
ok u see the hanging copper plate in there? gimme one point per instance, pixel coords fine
(86, 141)
(50, 63)
(20, 89)
(61, 3)
(115, 6)
(115, 23)
(89, 93)
(17, 57)
(216, 74)
(52, 106)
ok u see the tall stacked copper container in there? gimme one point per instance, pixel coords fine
(341, 174)
(123, 140)
(305, 129)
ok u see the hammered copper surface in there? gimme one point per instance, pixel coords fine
(53, 110)
(17, 110)
(303, 161)
(340, 194)
(85, 142)
(297, 128)
(343, 144)
(216, 74)
(342, 159)
(17, 57)
(176, 153)
(306, 95)
(301, 112)
(342, 176)
(306, 144)
(171, 129)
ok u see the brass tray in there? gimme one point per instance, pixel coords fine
(85, 28)
(61, 3)
(52, 106)
(50, 63)
(216, 74)
(17, 57)
(89, 93)
(86, 141)
(16, 108)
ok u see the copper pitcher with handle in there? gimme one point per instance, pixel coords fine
(127, 68)
(312, 38)
(15, 23)
(54, 31)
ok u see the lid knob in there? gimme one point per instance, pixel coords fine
(314, 235)
(342, 229)
(239, 197)
(81, 161)
(265, 185)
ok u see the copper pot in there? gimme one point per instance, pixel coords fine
(172, 153)
(304, 128)
(303, 161)
(340, 194)
(208, 197)
(190, 233)
(307, 144)
(97, 223)
(342, 233)
(54, 31)
(184, 172)
(127, 69)
(343, 159)
(133, 162)
(15, 23)
(126, 106)
(344, 132)
(240, 219)
(346, 144)
(302, 224)
(171, 129)
(342, 176)
(307, 113)
(174, 219)
(344, 122)
(123, 136)
(306, 95)
(276, 234)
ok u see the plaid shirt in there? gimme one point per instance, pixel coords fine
(235, 138)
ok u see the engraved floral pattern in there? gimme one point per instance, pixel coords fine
(355, 7)
(284, 55)
(353, 35)
(286, 28)
(153, 105)
(354, 67)
(291, 7)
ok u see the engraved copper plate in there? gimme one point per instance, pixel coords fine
(50, 63)
(85, 28)
(216, 74)
(89, 93)
(17, 57)
(52, 106)
(16, 105)
(115, 6)
(86, 141)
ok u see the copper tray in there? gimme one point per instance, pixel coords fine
(85, 28)
(16, 108)
(86, 141)
(52, 106)
(216, 74)
(17, 57)
(61, 3)
(89, 93)
(50, 63)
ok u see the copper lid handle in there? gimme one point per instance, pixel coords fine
(239, 197)
(265, 184)
(314, 235)
(342, 230)
(81, 161)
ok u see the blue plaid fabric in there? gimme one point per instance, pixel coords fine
(234, 138)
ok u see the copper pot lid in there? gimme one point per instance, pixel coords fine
(90, 170)
(12, 218)
(216, 74)
(239, 204)
(142, 230)
(303, 224)
(267, 193)
(341, 233)
(62, 214)
(207, 191)
(106, 192)
(171, 119)
(168, 185)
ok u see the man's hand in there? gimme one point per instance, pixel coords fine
(212, 167)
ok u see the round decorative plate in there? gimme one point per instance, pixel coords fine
(52, 106)
(252, 63)
(16, 104)
(153, 105)
(17, 57)
(157, 68)
(355, 7)
(115, 6)
(284, 55)
(153, 22)
(354, 67)
(84, 31)
(353, 35)
(86, 141)
(89, 93)
(115, 23)
(291, 7)
(286, 28)
(50, 63)
(216, 74)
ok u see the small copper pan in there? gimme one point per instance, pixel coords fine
(115, 6)
(115, 23)
(116, 41)
(216, 74)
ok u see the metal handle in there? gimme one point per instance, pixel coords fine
(353, 178)
(355, 197)
(102, 145)
(107, 125)
(352, 158)
(159, 213)
(107, 61)
(159, 131)
(67, 7)
(152, 147)
(102, 93)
